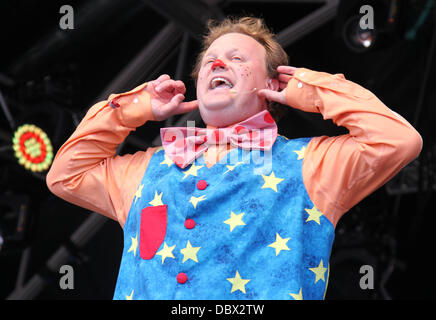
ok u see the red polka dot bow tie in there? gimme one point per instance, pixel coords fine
(183, 145)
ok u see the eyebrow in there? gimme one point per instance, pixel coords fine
(211, 53)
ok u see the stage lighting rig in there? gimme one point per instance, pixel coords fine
(32, 148)
(356, 38)
(363, 25)
(14, 216)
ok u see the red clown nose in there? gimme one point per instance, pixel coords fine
(218, 63)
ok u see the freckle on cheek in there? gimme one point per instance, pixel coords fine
(246, 71)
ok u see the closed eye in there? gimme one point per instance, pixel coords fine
(209, 60)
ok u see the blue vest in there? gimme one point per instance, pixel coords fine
(248, 230)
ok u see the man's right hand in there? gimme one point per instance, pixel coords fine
(166, 98)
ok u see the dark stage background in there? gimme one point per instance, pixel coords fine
(50, 77)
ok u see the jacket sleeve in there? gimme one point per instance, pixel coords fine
(340, 171)
(85, 171)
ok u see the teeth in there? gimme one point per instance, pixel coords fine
(217, 81)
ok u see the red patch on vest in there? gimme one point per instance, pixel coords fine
(152, 231)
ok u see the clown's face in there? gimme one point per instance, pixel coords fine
(226, 89)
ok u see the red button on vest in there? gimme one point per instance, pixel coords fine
(189, 224)
(201, 184)
(182, 278)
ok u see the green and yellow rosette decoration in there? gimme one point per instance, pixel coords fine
(32, 148)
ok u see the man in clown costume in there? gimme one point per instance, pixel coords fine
(202, 216)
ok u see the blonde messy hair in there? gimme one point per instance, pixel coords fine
(255, 28)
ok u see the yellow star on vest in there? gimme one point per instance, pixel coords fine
(190, 252)
(192, 171)
(319, 272)
(166, 252)
(271, 181)
(279, 244)
(238, 283)
(298, 296)
(300, 153)
(195, 200)
(167, 161)
(235, 220)
(134, 245)
(130, 297)
(314, 215)
(138, 192)
(231, 168)
(157, 200)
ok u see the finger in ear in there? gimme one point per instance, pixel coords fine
(273, 84)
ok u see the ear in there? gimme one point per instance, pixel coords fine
(273, 84)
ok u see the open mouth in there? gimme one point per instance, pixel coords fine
(220, 82)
